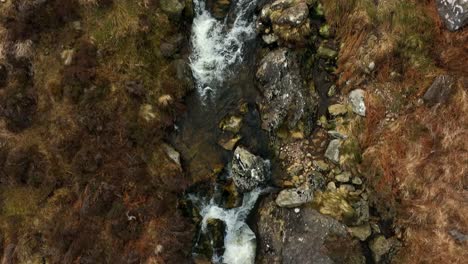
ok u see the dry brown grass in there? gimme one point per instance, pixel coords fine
(417, 164)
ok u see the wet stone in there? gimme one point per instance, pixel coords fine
(295, 197)
(249, 171)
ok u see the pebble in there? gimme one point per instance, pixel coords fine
(297, 210)
(331, 186)
(357, 181)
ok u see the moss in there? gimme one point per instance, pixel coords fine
(20, 201)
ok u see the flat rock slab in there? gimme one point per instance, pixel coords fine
(289, 236)
(454, 13)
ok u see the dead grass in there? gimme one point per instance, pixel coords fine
(416, 164)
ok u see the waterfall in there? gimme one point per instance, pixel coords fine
(219, 44)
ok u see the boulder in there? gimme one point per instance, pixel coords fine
(294, 197)
(454, 13)
(249, 171)
(440, 90)
(285, 99)
(356, 99)
(305, 236)
(287, 19)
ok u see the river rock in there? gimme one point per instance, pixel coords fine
(172, 154)
(285, 98)
(231, 123)
(294, 197)
(288, 19)
(440, 90)
(326, 52)
(379, 247)
(249, 171)
(333, 151)
(356, 99)
(454, 13)
(287, 236)
(361, 232)
(343, 177)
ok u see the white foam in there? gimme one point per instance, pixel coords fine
(217, 45)
(239, 240)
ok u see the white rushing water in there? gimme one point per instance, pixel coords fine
(239, 240)
(218, 44)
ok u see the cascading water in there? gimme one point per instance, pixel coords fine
(217, 45)
(220, 50)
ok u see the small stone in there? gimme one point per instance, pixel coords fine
(270, 38)
(379, 247)
(324, 31)
(357, 181)
(231, 123)
(356, 99)
(172, 153)
(229, 143)
(371, 66)
(347, 188)
(337, 109)
(331, 91)
(361, 232)
(173, 8)
(331, 186)
(77, 25)
(336, 134)
(297, 210)
(343, 177)
(295, 197)
(321, 165)
(67, 56)
(326, 52)
(333, 151)
(295, 169)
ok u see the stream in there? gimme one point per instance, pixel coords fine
(222, 59)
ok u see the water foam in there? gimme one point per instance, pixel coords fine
(218, 44)
(239, 240)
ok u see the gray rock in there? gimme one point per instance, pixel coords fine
(458, 236)
(270, 38)
(440, 90)
(336, 134)
(285, 98)
(333, 151)
(454, 13)
(356, 180)
(285, 236)
(295, 197)
(172, 154)
(379, 247)
(343, 177)
(249, 171)
(173, 8)
(361, 232)
(356, 99)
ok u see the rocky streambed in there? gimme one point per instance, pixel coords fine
(267, 123)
